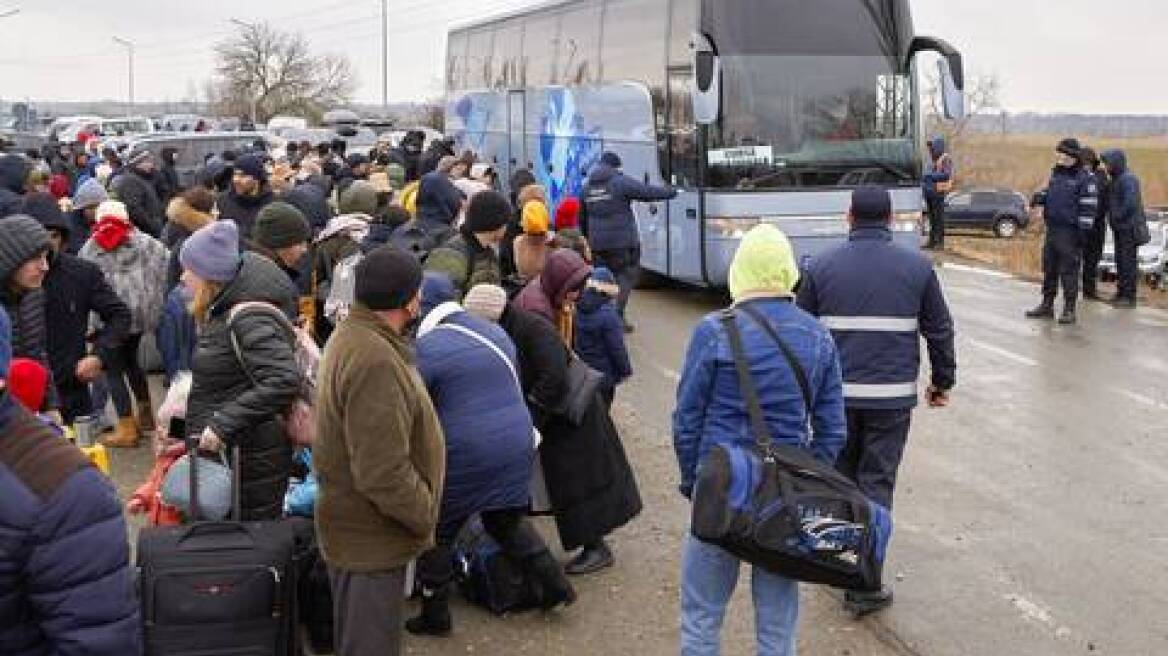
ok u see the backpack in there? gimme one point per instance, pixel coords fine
(300, 418)
(487, 576)
(413, 237)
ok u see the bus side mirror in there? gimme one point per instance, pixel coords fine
(951, 68)
(707, 88)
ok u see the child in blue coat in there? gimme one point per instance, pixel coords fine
(600, 332)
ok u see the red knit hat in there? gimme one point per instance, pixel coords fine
(28, 380)
(568, 214)
(59, 186)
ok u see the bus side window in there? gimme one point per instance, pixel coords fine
(681, 130)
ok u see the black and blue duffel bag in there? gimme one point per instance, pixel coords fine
(777, 507)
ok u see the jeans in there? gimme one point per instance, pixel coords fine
(708, 577)
(122, 367)
(872, 454)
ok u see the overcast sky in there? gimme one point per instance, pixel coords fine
(1051, 55)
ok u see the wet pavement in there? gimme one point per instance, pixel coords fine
(1027, 513)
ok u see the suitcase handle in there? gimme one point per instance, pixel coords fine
(192, 444)
(214, 528)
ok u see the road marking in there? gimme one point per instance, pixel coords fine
(990, 273)
(1030, 610)
(1009, 355)
(666, 372)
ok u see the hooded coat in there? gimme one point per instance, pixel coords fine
(546, 295)
(590, 483)
(243, 396)
(136, 271)
(439, 203)
(939, 170)
(13, 172)
(488, 429)
(600, 336)
(311, 201)
(141, 200)
(1126, 204)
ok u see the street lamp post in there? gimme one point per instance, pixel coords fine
(384, 56)
(130, 53)
(253, 83)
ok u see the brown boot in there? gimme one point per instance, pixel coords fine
(126, 435)
(145, 417)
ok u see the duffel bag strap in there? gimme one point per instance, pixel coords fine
(800, 374)
(762, 433)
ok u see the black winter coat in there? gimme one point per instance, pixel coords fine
(141, 199)
(592, 487)
(242, 209)
(243, 402)
(74, 288)
(13, 172)
(166, 183)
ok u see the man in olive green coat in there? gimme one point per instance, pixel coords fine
(379, 455)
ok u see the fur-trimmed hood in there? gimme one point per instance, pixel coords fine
(185, 216)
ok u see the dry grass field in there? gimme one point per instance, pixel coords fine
(1022, 163)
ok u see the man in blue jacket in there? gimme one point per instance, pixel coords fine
(878, 298)
(1070, 201)
(1126, 207)
(937, 183)
(610, 225)
(65, 581)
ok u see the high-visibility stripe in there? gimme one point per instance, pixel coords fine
(886, 391)
(872, 324)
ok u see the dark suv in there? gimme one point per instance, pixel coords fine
(1002, 210)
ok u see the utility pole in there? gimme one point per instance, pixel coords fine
(130, 52)
(384, 57)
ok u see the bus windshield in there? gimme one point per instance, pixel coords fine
(812, 121)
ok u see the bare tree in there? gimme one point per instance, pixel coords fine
(263, 72)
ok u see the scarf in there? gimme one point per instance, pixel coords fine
(111, 232)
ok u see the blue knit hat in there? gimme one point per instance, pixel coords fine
(212, 253)
(5, 342)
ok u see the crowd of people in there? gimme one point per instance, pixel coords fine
(443, 391)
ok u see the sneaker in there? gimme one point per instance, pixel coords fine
(1044, 311)
(591, 560)
(1068, 318)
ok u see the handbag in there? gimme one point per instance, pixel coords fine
(777, 507)
(583, 385)
(540, 499)
(299, 420)
(214, 481)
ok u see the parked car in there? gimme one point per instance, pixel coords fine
(1003, 211)
(1152, 257)
(194, 147)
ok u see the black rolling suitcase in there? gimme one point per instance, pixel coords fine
(218, 588)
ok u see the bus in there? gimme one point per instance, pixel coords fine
(755, 110)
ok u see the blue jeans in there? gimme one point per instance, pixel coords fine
(708, 577)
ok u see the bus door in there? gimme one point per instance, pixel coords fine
(517, 134)
(684, 252)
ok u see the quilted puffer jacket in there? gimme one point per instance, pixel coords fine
(243, 396)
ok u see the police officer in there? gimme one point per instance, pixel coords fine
(878, 298)
(1096, 236)
(611, 226)
(1071, 201)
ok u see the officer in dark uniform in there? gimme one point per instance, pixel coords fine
(878, 299)
(1097, 235)
(1071, 201)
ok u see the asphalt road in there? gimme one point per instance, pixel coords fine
(1025, 517)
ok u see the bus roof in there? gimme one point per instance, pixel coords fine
(514, 13)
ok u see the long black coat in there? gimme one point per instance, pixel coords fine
(243, 402)
(75, 288)
(591, 485)
(242, 209)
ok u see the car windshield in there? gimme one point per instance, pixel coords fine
(812, 121)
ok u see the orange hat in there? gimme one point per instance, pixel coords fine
(535, 220)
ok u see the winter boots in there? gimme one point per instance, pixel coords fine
(125, 436)
(860, 604)
(1045, 310)
(1068, 317)
(592, 559)
(555, 590)
(435, 619)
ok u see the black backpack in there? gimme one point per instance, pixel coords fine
(413, 237)
(488, 577)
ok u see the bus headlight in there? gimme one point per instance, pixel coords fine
(731, 227)
(906, 222)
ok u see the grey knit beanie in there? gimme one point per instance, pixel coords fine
(212, 253)
(89, 194)
(486, 302)
(21, 239)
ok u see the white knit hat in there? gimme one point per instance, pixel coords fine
(113, 208)
(486, 302)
